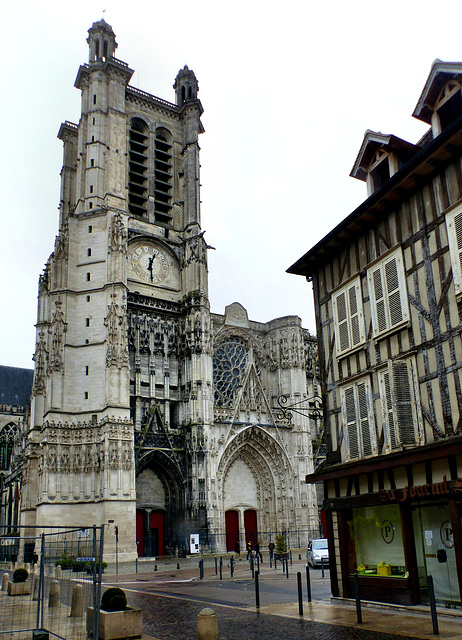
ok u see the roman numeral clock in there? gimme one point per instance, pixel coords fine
(149, 263)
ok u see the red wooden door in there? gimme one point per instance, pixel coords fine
(140, 533)
(250, 526)
(157, 532)
(232, 529)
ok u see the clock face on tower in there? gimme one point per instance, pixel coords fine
(150, 263)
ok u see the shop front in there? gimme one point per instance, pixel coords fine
(395, 534)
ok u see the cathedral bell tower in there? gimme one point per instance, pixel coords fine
(123, 374)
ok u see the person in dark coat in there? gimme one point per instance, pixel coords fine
(257, 552)
(237, 548)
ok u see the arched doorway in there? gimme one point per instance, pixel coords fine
(232, 529)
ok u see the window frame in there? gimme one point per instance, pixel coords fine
(385, 314)
(346, 326)
(357, 446)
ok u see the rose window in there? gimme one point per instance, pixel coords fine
(229, 363)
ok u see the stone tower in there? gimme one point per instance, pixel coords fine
(126, 427)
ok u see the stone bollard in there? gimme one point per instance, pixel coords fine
(207, 625)
(35, 589)
(5, 579)
(27, 567)
(58, 572)
(55, 592)
(77, 608)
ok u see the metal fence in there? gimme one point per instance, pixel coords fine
(64, 566)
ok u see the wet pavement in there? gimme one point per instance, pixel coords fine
(172, 598)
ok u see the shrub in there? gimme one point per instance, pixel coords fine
(281, 544)
(20, 575)
(114, 599)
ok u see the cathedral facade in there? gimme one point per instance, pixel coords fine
(148, 411)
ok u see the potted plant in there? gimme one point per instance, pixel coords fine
(116, 619)
(280, 550)
(19, 586)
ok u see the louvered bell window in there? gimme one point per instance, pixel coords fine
(399, 405)
(361, 441)
(388, 293)
(348, 316)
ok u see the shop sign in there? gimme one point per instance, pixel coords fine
(412, 491)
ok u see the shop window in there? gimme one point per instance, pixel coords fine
(375, 547)
(388, 293)
(358, 418)
(454, 227)
(348, 317)
(402, 423)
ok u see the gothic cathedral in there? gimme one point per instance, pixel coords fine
(148, 411)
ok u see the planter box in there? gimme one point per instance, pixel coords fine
(117, 625)
(18, 588)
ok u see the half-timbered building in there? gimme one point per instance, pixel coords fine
(387, 285)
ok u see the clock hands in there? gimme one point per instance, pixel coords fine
(151, 260)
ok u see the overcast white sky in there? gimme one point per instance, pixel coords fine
(288, 89)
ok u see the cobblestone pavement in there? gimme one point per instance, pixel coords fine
(170, 618)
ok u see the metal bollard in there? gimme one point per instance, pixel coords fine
(308, 582)
(216, 566)
(257, 590)
(322, 567)
(300, 593)
(358, 599)
(136, 565)
(252, 568)
(232, 566)
(290, 554)
(431, 593)
(221, 568)
(287, 568)
(275, 562)
(207, 625)
(201, 569)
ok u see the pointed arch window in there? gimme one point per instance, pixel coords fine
(229, 364)
(7, 437)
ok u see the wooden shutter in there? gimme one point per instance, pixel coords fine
(379, 300)
(395, 310)
(343, 333)
(351, 423)
(349, 318)
(364, 426)
(389, 411)
(454, 225)
(388, 293)
(404, 402)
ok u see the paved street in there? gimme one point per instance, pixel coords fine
(171, 600)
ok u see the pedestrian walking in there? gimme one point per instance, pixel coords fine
(257, 551)
(237, 548)
(271, 548)
(249, 548)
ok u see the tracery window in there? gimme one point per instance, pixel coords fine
(7, 436)
(229, 362)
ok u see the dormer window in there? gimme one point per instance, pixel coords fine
(448, 107)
